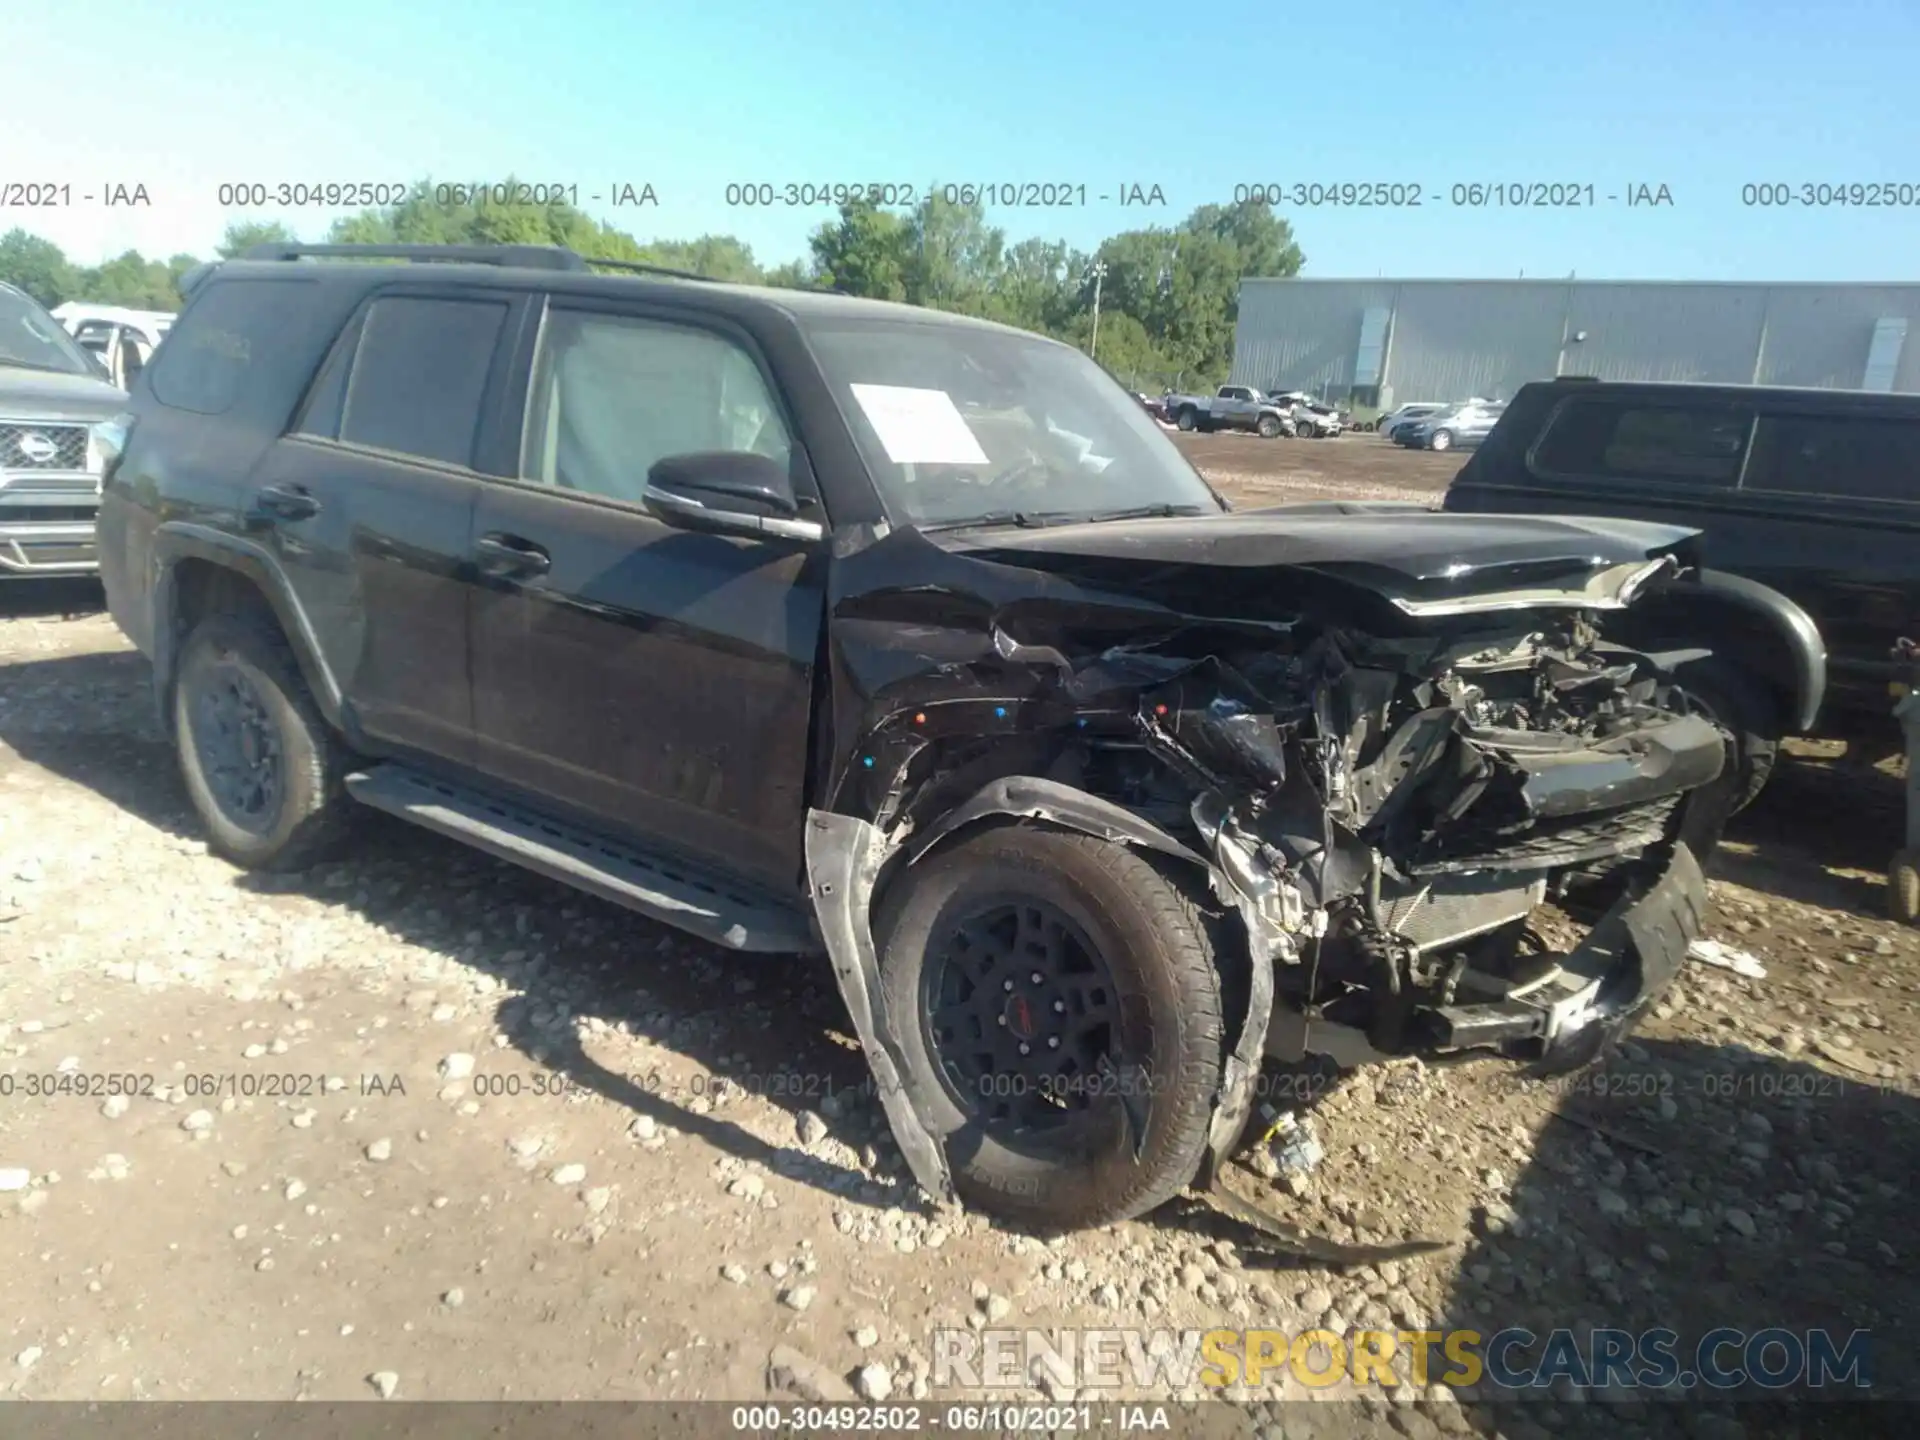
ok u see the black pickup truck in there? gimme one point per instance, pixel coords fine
(812, 624)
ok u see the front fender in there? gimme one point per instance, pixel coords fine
(1806, 650)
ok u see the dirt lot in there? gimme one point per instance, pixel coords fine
(1253, 472)
(427, 1125)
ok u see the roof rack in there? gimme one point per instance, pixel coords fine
(532, 257)
(537, 257)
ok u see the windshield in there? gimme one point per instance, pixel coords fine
(33, 339)
(960, 424)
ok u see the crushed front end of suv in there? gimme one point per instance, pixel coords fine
(1094, 793)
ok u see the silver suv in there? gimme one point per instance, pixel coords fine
(1461, 427)
(55, 409)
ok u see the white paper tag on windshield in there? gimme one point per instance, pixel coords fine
(919, 427)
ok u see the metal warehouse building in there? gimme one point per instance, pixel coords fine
(1392, 342)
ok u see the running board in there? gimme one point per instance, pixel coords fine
(687, 897)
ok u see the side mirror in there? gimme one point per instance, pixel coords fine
(726, 492)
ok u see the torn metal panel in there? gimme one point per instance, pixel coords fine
(844, 856)
(1042, 799)
(1383, 762)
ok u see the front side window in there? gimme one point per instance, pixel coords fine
(1700, 445)
(419, 375)
(1861, 459)
(612, 395)
(960, 423)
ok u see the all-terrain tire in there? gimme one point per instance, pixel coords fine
(304, 809)
(1903, 887)
(1154, 942)
(1187, 420)
(1268, 426)
(1747, 710)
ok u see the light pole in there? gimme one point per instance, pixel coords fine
(1093, 344)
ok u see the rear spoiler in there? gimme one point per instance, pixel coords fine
(191, 280)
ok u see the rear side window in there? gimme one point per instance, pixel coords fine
(1860, 459)
(220, 345)
(1699, 445)
(419, 374)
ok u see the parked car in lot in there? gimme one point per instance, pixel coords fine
(1400, 415)
(123, 349)
(54, 400)
(1814, 494)
(1232, 407)
(808, 623)
(1458, 427)
(1311, 418)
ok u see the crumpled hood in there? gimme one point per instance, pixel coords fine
(43, 395)
(1412, 556)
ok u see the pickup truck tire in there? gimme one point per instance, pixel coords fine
(1742, 704)
(1269, 427)
(962, 936)
(1187, 419)
(260, 763)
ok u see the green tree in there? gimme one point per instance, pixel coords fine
(864, 252)
(37, 266)
(132, 280)
(791, 275)
(242, 235)
(953, 257)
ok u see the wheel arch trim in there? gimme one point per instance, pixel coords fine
(176, 542)
(845, 858)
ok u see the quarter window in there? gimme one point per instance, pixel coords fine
(1861, 459)
(612, 395)
(1702, 446)
(222, 339)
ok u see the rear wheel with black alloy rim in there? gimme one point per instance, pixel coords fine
(259, 761)
(1065, 1032)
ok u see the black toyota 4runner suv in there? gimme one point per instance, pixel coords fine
(807, 623)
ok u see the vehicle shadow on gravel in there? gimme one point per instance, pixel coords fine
(770, 1026)
(1689, 1187)
(1814, 820)
(51, 599)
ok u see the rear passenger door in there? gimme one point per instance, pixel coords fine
(648, 680)
(369, 504)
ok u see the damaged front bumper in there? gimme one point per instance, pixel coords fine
(1570, 1008)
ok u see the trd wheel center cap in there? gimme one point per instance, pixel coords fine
(1019, 1015)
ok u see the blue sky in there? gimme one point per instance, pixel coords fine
(1703, 96)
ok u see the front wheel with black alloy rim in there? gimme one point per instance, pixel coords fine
(1059, 1012)
(260, 763)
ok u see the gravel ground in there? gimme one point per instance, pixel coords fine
(428, 1126)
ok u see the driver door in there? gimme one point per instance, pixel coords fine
(652, 681)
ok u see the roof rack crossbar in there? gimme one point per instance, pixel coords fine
(641, 268)
(534, 257)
